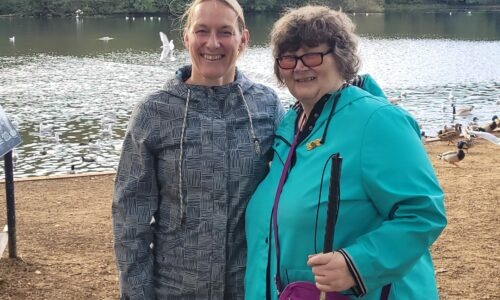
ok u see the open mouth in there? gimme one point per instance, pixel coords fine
(212, 57)
(306, 79)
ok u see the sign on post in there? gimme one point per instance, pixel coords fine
(9, 138)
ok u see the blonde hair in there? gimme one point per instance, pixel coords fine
(233, 4)
(314, 25)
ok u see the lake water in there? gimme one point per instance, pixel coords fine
(58, 78)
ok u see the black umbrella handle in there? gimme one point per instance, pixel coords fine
(333, 203)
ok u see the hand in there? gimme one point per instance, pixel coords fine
(330, 272)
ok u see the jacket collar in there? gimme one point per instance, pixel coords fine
(348, 95)
(178, 86)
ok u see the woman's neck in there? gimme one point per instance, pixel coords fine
(197, 78)
(302, 120)
(308, 106)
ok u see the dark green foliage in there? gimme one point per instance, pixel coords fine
(12, 6)
(105, 7)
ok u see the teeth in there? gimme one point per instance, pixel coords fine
(305, 79)
(212, 57)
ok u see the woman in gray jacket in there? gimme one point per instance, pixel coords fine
(193, 154)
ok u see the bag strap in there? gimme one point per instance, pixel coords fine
(284, 175)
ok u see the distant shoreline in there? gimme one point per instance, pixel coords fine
(440, 7)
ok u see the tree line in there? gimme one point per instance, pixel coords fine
(132, 7)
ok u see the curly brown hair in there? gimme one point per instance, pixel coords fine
(314, 25)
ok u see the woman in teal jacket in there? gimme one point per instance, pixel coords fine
(391, 204)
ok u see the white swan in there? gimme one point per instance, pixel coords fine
(487, 136)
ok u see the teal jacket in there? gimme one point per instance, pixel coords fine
(391, 208)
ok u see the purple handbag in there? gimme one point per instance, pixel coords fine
(305, 290)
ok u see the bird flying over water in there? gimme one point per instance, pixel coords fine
(168, 47)
(12, 39)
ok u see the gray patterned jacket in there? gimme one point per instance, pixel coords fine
(178, 207)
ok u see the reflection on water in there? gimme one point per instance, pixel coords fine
(80, 36)
(71, 95)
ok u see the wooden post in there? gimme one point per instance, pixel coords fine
(11, 208)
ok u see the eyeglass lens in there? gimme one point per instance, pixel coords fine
(309, 60)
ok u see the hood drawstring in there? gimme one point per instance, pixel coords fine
(254, 137)
(183, 131)
(184, 124)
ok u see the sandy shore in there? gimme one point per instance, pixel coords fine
(64, 240)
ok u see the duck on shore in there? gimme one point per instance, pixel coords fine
(465, 145)
(450, 134)
(452, 157)
(490, 126)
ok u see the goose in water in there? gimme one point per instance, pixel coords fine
(462, 111)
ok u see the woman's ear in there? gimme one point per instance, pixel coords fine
(245, 38)
(185, 38)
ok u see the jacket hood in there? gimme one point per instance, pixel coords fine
(178, 86)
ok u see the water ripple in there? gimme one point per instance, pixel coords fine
(86, 101)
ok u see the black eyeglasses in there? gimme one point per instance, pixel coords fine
(312, 59)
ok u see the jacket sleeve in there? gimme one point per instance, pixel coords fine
(400, 182)
(279, 113)
(135, 201)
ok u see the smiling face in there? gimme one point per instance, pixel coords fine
(309, 84)
(214, 41)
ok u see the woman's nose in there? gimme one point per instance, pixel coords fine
(300, 65)
(213, 41)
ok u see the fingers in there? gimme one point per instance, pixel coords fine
(331, 272)
(334, 283)
(319, 259)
